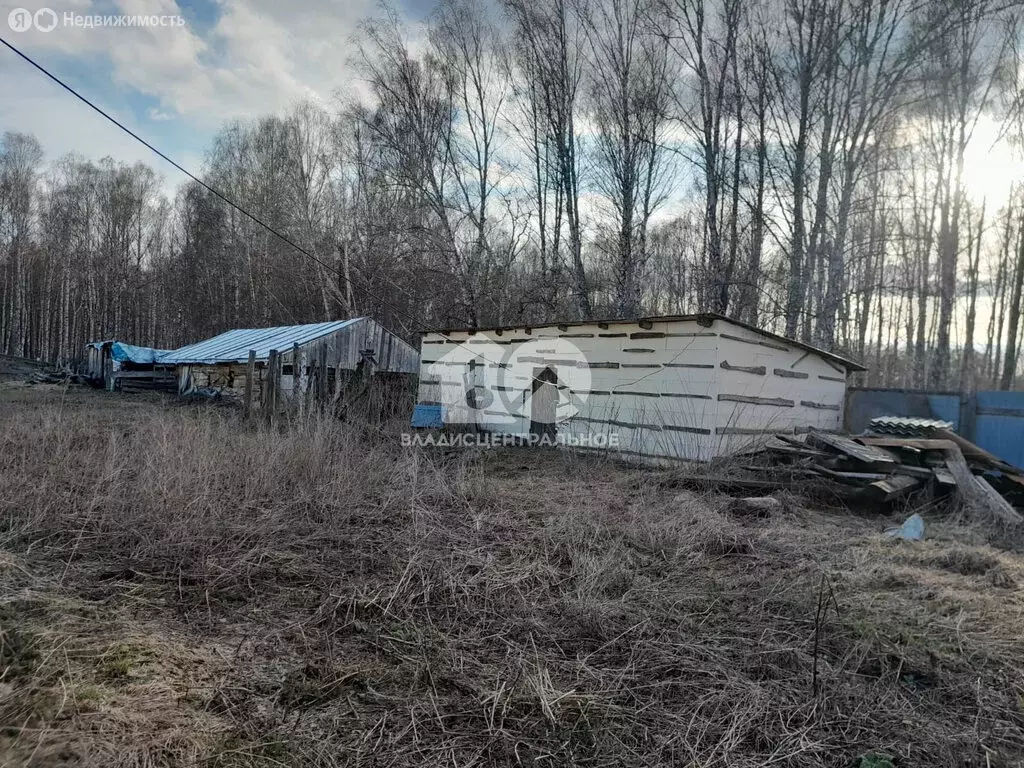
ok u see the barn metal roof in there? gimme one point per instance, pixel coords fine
(850, 365)
(233, 346)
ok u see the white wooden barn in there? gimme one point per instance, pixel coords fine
(676, 387)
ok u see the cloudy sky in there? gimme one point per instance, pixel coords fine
(175, 85)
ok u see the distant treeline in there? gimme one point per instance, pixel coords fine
(797, 164)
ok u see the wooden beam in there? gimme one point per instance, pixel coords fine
(322, 393)
(921, 444)
(850, 478)
(780, 401)
(998, 509)
(273, 381)
(143, 375)
(758, 342)
(980, 500)
(757, 370)
(944, 477)
(820, 406)
(790, 374)
(790, 450)
(250, 374)
(892, 487)
(866, 453)
(297, 378)
(921, 473)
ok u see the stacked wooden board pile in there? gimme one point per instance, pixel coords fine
(19, 367)
(887, 468)
(57, 376)
(158, 380)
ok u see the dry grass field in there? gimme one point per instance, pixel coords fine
(179, 589)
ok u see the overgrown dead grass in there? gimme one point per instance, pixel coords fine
(179, 589)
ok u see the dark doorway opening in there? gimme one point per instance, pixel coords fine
(543, 403)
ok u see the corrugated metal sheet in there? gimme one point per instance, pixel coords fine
(233, 346)
(907, 426)
(863, 405)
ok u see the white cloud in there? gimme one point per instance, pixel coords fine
(33, 104)
(259, 57)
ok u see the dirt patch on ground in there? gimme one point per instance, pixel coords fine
(86, 682)
(180, 589)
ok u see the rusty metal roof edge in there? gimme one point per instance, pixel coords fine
(850, 365)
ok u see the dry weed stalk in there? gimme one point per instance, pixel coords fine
(351, 603)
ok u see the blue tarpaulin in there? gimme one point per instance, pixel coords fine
(129, 353)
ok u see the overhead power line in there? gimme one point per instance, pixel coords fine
(232, 203)
(149, 146)
(253, 217)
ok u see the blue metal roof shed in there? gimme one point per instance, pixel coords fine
(220, 362)
(338, 343)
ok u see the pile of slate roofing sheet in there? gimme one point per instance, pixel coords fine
(896, 460)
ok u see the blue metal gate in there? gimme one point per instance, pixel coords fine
(999, 424)
(992, 420)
